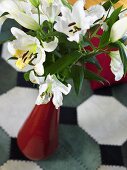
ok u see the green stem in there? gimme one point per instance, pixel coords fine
(39, 19)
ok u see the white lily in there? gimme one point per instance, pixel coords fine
(51, 9)
(74, 23)
(27, 50)
(96, 12)
(118, 29)
(116, 65)
(51, 88)
(19, 11)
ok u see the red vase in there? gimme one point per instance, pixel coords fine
(38, 138)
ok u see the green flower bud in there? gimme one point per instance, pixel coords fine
(35, 3)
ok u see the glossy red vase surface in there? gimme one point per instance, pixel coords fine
(38, 138)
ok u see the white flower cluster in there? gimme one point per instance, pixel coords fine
(30, 52)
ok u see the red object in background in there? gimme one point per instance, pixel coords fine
(38, 138)
(106, 73)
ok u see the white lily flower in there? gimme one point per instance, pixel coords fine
(96, 12)
(116, 65)
(27, 50)
(118, 29)
(51, 9)
(19, 11)
(74, 23)
(51, 88)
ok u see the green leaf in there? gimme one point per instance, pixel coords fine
(93, 76)
(122, 55)
(114, 17)
(27, 75)
(63, 62)
(66, 3)
(104, 40)
(66, 74)
(95, 62)
(109, 3)
(77, 73)
(85, 42)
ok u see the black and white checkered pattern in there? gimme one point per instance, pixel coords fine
(75, 112)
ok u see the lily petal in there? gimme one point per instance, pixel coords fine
(14, 8)
(42, 100)
(17, 32)
(116, 65)
(42, 88)
(78, 12)
(8, 6)
(24, 41)
(34, 79)
(39, 68)
(51, 46)
(57, 98)
(64, 89)
(11, 49)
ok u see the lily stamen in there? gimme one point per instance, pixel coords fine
(71, 31)
(71, 24)
(24, 55)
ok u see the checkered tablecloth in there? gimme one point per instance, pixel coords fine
(92, 132)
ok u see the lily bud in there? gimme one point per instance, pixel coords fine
(35, 3)
(118, 29)
(25, 20)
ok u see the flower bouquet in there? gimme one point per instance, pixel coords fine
(51, 47)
